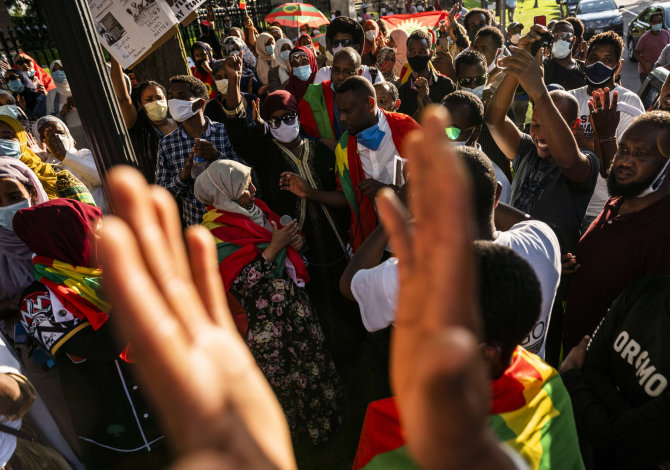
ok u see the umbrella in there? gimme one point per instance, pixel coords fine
(295, 15)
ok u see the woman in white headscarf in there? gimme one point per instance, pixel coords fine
(61, 104)
(265, 48)
(278, 76)
(262, 269)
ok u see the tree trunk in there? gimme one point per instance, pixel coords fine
(165, 62)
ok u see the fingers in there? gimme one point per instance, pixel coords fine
(583, 344)
(394, 217)
(202, 257)
(274, 226)
(606, 98)
(615, 100)
(170, 223)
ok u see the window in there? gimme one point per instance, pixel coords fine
(593, 7)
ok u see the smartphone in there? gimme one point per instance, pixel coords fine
(540, 20)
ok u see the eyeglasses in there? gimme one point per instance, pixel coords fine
(22, 62)
(288, 119)
(342, 42)
(563, 36)
(454, 132)
(471, 82)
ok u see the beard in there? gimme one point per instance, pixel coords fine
(627, 190)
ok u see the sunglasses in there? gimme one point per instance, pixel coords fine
(22, 62)
(454, 132)
(471, 82)
(342, 42)
(288, 119)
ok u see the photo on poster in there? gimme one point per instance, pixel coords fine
(143, 12)
(109, 29)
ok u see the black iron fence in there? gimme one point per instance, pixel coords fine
(33, 39)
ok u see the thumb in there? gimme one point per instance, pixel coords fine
(540, 55)
(584, 342)
(274, 225)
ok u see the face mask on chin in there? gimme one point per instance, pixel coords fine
(637, 190)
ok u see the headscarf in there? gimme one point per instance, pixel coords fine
(222, 184)
(40, 73)
(280, 99)
(276, 28)
(63, 89)
(369, 46)
(208, 54)
(16, 267)
(61, 234)
(248, 59)
(295, 86)
(38, 126)
(384, 65)
(265, 61)
(284, 67)
(310, 46)
(44, 171)
(400, 37)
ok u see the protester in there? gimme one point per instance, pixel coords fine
(8, 107)
(651, 44)
(664, 96)
(303, 71)
(476, 19)
(425, 85)
(513, 34)
(64, 312)
(631, 223)
(560, 67)
(202, 56)
(37, 74)
(399, 41)
(55, 138)
(530, 409)
(265, 49)
(344, 32)
(366, 153)
(371, 44)
(210, 37)
(60, 103)
(25, 94)
(276, 32)
(471, 73)
(386, 64)
(260, 266)
(579, 46)
(489, 42)
(553, 178)
(619, 384)
(196, 136)
(387, 96)
(233, 45)
(279, 74)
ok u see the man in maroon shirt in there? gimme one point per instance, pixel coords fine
(630, 238)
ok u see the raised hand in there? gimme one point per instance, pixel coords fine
(215, 403)
(295, 184)
(437, 373)
(54, 144)
(526, 69)
(256, 112)
(283, 237)
(233, 68)
(604, 116)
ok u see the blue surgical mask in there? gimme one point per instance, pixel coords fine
(599, 73)
(15, 85)
(59, 76)
(303, 72)
(10, 148)
(371, 137)
(31, 73)
(283, 55)
(10, 110)
(7, 213)
(270, 50)
(656, 27)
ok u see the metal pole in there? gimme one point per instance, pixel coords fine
(71, 27)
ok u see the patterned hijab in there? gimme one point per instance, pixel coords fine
(384, 64)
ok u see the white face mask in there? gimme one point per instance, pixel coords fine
(479, 91)
(337, 49)
(181, 110)
(656, 184)
(561, 49)
(156, 110)
(515, 38)
(7, 213)
(286, 133)
(371, 35)
(222, 85)
(494, 62)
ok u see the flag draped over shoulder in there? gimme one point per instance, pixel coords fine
(530, 411)
(317, 112)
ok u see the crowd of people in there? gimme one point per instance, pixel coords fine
(437, 248)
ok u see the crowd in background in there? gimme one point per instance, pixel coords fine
(289, 153)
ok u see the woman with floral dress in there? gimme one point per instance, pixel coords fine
(262, 269)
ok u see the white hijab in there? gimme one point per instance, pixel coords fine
(222, 184)
(62, 88)
(284, 68)
(265, 61)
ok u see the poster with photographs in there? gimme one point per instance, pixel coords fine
(183, 8)
(129, 28)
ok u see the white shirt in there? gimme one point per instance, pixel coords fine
(324, 74)
(376, 289)
(629, 105)
(506, 193)
(82, 165)
(379, 164)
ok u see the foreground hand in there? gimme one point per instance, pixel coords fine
(437, 374)
(205, 150)
(604, 115)
(526, 69)
(233, 69)
(576, 356)
(370, 187)
(54, 144)
(569, 264)
(298, 242)
(283, 237)
(295, 184)
(196, 368)
(533, 34)
(421, 86)
(185, 173)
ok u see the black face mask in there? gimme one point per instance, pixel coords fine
(418, 62)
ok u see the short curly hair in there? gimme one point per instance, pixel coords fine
(474, 11)
(463, 97)
(195, 86)
(343, 24)
(607, 38)
(577, 26)
(493, 33)
(419, 34)
(469, 58)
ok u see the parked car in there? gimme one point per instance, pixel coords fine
(641, 24)
(568, 7)
(651, 87)
(599, 16)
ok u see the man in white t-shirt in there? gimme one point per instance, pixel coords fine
(603, 59)
(374, 286)
(344, 32)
